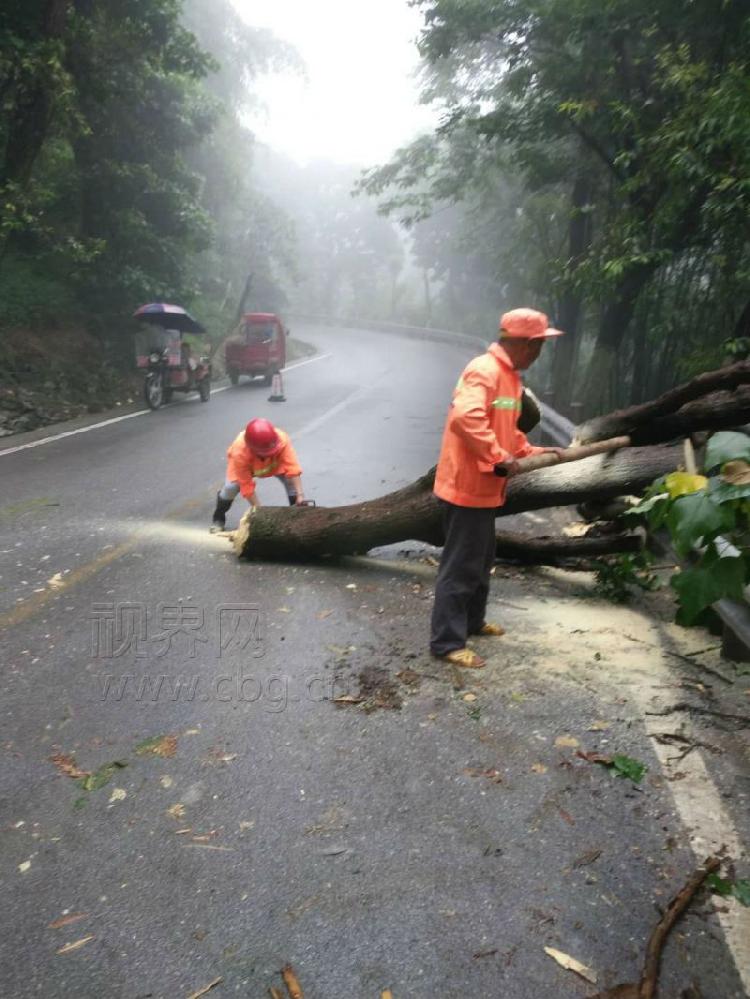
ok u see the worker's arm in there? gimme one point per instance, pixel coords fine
(289, 465)
(243, 474)
(469, 417)
(295, 482)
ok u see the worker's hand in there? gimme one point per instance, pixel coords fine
(559, 451)
(506, 469)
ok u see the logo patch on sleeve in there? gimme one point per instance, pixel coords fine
(506, 402)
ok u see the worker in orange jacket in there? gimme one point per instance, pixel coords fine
(259, 451)
(479, 453)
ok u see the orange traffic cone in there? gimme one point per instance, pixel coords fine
(277, 389)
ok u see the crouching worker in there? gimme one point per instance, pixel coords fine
(259, 451)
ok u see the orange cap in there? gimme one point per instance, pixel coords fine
(526, 324)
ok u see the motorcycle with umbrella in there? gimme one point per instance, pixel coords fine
(170, 363)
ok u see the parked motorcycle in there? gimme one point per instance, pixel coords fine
(170, 363)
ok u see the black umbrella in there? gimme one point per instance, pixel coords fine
(171, 317)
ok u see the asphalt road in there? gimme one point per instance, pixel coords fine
(243, 821)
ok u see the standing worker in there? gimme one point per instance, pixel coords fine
(479, 452)
(259, 451)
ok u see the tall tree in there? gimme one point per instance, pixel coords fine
(645, 96)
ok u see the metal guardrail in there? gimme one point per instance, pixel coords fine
(555, 428)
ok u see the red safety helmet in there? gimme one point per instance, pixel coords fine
(262, 438)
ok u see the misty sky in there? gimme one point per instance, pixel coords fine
(360, 101)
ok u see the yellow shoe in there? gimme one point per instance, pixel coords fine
(465, 658)
(494, 630)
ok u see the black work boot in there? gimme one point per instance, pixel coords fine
(292, 497)
(219, 521)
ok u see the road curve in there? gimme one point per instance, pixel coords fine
(242, 820)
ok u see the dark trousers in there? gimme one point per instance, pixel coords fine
(463, 580)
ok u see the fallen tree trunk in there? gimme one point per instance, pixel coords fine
(413, 513)
(649, 423)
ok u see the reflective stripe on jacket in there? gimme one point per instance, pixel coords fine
(243, 465)
(480, 431)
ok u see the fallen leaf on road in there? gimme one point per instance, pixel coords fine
(176, 811)
(494, 775)
(205, 989)
(183, 832)
(166, 782)
(24, 866)
(160, 745)
(103, 775)
(68, 766)
(538, 768)
(274, 993)
(284, 610)
(338, 650)
(484, 953)
(246, 825)
(409, 677)
(567, 816)
(570, 964)
(469, 697)
(293, 986)
(118, 794)
(595, 758)
(599, 726)
(348, 699)
(619, 765)
(566, 742)
(209, 846)
(626, 766)
(55, 581)
(620, 992)
(76, 944)
(74, 917)
(220, 756)
(351, 586)
(587, 858)
(324, 614)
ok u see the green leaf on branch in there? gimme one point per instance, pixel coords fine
(696, 518)
(725, 492)
(654, 508)
(683, 484)
(741, 891)
(702, 586)
(726, 446)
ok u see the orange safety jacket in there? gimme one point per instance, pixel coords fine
(244, 465)
(481, 431)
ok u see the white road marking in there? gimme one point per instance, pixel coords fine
(310, 360)
(72, 433)
(129, 416)
(711, 829)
